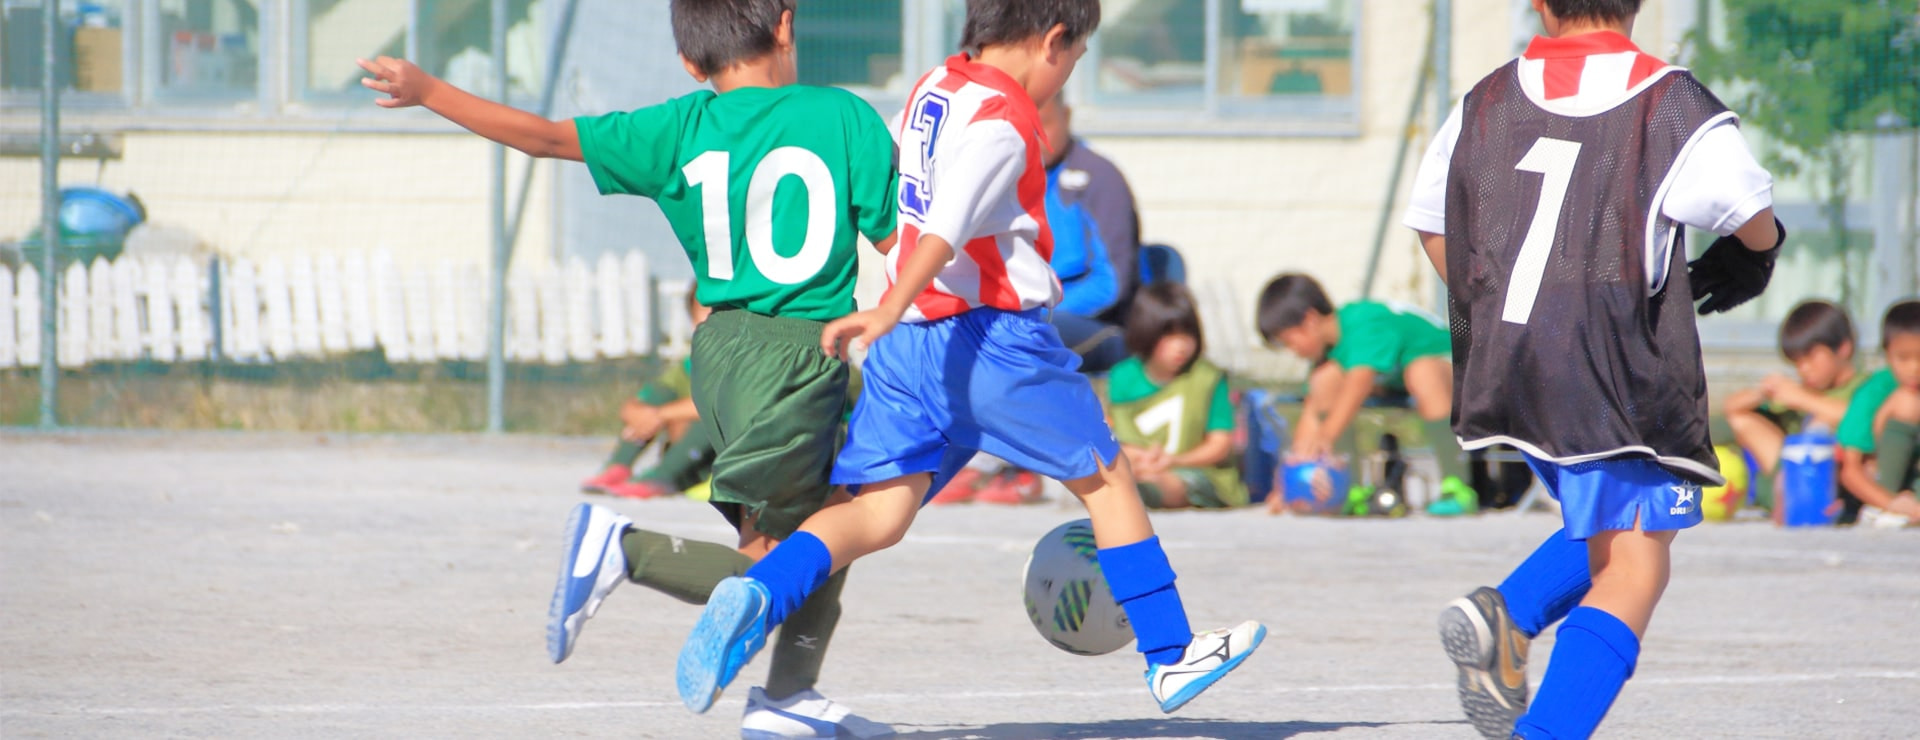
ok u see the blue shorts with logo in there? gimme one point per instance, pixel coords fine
(1616, 493)
(987, 380)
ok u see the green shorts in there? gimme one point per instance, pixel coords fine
(770, 402)
(1203, 492)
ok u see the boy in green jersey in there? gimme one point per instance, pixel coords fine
(1356, 350)
(1170, 408)
(1880, 435)
(1818, 338)
(768, 186)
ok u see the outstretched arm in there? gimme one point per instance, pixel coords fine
(408, 85)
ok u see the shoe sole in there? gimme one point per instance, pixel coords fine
(1468, 640)
(702, 671)
(563, 617)
(1193, 690)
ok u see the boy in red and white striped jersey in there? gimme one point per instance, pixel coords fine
(962, 359)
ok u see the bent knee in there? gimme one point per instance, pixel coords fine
(1904, 406)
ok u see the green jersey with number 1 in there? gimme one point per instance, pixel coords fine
(765, 187)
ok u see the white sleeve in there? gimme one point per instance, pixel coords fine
(974, 180)
(1718, 186)
(1427, 210)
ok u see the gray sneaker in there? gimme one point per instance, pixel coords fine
(1481, 639)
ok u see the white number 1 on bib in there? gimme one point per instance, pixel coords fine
(1555, 159)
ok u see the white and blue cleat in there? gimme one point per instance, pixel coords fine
(731, 630)
(1210, 657)
(804, 715)
(592, 565)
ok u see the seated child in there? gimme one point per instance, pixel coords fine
(1357, 349)
(664, 405)
(1880, 434)
(1818, 338)
(1170, 408)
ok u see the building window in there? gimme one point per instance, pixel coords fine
(90, 51)
(208, 49)
(447, 38)
(1226, 60)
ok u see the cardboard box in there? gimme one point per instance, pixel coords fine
(96, 58)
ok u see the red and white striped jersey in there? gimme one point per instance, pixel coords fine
(971, 173)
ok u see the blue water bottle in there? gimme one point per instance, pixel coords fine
(1266, 438)
(1809, 474)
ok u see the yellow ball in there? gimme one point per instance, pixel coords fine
(701, 491)
(1721, 503)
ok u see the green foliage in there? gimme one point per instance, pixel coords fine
(1810, 70)
(1808, 73)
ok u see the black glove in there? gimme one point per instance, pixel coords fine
(1730, 274)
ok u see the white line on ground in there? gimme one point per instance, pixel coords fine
(887, 697)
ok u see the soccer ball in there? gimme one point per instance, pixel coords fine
(1298, 486)
(1067, 597)
(1719, 504)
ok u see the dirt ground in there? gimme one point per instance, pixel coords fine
(283, 585)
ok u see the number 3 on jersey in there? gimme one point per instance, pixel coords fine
(1555, 160)
(710, 172)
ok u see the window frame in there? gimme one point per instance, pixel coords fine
(1211, 118)
(132, 25)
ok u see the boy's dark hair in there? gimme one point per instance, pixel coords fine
(995, 22)
(1159, 309)
(716, 34)
(1595, 10)
(1902, 318)
(1815, 324)
(1284, 303)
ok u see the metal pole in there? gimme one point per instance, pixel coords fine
(556, 56)
(497, 295)
(49, 208)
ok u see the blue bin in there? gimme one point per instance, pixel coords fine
(93, 223)
(1298, 479)
(1809, 475)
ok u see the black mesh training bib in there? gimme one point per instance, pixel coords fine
(1573, 329)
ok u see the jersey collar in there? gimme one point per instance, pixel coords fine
(1020, 104)
(1579, 45)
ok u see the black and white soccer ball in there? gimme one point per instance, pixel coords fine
(1067, 597)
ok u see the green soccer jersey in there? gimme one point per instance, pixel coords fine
(766, 189)
(1386, 337)
(1856, 428)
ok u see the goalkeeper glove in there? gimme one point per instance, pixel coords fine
(1729, 274)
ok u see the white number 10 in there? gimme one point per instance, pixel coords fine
(1555, 159)
(709, 172)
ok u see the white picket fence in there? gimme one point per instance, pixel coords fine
(314, 306)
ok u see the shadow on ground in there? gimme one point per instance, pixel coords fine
(1123, 729)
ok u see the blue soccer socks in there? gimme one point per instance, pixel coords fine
(791, 572)
(1592, 659)
(1548, 584)
(1142, 582)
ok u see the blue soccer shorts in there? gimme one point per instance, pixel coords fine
(987, 380)
(1614, 494)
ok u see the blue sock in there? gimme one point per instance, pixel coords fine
(792, 571)
(1548, 584)
(1593, 657)
(1142, 581)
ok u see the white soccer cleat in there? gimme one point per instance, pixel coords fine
(592, 565)
(804, 715)
(1209, 657)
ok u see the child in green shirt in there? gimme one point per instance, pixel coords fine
(1880, 435)
(1818, 338)
(1170, 409)
(1358, 350)
(769, 186)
